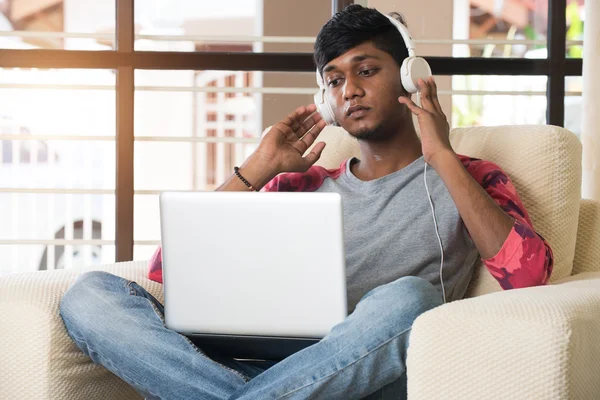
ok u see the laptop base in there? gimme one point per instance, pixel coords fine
(251, 347)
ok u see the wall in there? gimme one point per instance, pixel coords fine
(302, 18)
(591, 102)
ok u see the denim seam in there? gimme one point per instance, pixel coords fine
(343, 368)
(159, 314)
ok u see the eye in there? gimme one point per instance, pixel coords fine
(334, 82)
(368, 72)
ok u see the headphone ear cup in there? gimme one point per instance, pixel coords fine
(413, 69)
(324, 108)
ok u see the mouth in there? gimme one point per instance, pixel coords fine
(357, 111)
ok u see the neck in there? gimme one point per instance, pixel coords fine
(384, 157)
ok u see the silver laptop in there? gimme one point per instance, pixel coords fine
(254, 275)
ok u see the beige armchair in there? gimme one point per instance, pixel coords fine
(536, 343)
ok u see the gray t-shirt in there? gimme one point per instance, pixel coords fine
(388, 227)
(389, 231)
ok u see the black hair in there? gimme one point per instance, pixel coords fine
(355, 25)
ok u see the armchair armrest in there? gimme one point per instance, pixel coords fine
(39, 360)
(535, 343)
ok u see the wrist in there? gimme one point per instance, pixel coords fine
(441, 158)
(257, 171)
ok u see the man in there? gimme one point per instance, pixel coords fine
(392, 251)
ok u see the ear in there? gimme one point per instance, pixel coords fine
(401, 89)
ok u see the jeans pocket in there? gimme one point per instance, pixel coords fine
(136, 290)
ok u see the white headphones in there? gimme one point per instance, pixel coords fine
(413, 68)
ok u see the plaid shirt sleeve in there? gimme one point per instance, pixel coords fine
(525, 258)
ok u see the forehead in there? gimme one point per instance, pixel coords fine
(357, 54)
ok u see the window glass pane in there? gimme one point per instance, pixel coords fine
(229, 25)
(498, 100)
(575, 26)
(57, 24)
(146, 221)
(57, 163)
(20, 258)
(57, 128)
(193, 127)
(38, 218)
(187, 166)
(144, 252)
(34, 220)
(47, 216)
(16, 258)
(485, 28)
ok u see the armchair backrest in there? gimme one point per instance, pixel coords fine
(340, 147)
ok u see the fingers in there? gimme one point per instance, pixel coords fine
(308, 123)
(296, 119)
(312, 134)
(407, 101)
(310, 137)
(295, 124)
(300, 113)
(434, 96)
(314, 155)
(429, 96)
(426, 96)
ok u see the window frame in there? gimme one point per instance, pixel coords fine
(125, 60)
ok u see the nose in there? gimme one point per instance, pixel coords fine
(352, 88)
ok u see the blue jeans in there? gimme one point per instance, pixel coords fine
(119, 325)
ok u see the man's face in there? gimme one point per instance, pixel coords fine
(363, 86)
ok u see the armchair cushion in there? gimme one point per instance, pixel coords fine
(39, 359)
(535, 343)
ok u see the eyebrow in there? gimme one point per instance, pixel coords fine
(355, 59)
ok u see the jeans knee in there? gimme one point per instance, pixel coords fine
(418, 292)
(94, 278)
(78, 302)
(405, 298)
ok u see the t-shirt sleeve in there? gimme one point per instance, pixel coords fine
(525, 258)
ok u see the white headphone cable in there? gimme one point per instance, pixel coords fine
(436, 232)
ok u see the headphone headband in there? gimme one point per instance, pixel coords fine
(404, 33)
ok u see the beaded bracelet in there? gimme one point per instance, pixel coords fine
(237, 173)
